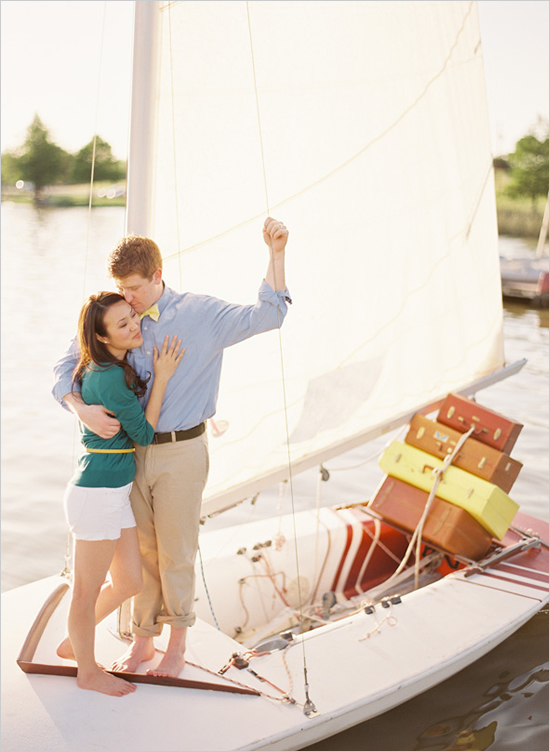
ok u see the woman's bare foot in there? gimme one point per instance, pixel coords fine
(101, 681)
(65, 650)
(142, 649)
(170, 665)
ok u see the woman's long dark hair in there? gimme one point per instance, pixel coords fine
(91, 322)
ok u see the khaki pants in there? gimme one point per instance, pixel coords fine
(166, 500)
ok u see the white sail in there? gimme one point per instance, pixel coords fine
(370, 121)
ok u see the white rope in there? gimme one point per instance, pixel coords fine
(438, 473)
(417, 534)
(390, 619)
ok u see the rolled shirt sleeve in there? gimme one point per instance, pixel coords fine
(63, 373)
(233, 323)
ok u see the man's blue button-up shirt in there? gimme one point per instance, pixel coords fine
(206, 325)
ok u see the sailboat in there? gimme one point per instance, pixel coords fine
(363, 125)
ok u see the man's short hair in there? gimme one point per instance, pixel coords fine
(134, 254)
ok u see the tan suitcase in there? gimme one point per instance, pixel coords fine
(474, 456)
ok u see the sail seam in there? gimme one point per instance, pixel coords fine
(351, 159)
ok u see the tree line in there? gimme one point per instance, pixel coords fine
(42, 162)
(527, 165)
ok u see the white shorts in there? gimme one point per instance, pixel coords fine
(98, 513)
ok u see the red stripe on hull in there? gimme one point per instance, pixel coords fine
(351, 586)
(381, 565)
(515, 582)
(522, 572)
(349, 528)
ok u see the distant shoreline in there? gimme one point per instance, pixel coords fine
(104, 194)
(515, 217)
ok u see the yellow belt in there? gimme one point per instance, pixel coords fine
(110, 451)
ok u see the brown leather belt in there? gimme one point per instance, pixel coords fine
(171, 436)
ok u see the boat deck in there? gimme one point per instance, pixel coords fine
(358, 667)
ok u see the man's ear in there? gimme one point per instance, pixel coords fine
(157, 277)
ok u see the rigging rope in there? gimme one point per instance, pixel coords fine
(309, 707)
(88, 224)
(207, 591)
(174, 140)
(66, 570)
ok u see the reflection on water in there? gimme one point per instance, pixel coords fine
(467, 739)
(530, 316)
(501, 702)
(466, 732)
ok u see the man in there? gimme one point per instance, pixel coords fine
(171, 473)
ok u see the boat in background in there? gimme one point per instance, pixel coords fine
(525, 276)
(525, 280)
(364, 127)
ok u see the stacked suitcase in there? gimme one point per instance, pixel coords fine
(471, 506)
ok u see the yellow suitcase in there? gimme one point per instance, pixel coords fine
(487, 503)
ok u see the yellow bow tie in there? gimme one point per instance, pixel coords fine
(153, 312)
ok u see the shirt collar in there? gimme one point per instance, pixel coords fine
(165, 298)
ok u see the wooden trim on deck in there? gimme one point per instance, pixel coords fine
(26, 654)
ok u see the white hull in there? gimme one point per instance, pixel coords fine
(438, 630)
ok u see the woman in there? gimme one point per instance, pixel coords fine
(97, 503)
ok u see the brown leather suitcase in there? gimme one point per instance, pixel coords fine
(447, 526)
(474, 456)
(491, 428)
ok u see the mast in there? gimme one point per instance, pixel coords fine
(143, 120)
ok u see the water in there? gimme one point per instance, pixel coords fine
(501, 702)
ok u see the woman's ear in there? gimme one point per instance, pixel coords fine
(101, 339)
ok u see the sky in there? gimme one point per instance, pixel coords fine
(55, 58)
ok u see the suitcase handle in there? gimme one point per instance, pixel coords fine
(477, 429)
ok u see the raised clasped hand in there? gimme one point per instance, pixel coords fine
(275, 234)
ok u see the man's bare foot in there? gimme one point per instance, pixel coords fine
(171, 665)
(101, 681)
(65, 650)
(141, 649)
